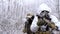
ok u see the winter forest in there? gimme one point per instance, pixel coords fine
(13, 12)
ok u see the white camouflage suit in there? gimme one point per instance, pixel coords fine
(34, 27)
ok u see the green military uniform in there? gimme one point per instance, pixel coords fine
(27, 27)
(28, 24)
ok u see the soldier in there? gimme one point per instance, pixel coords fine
(44, 21)
(29, 18)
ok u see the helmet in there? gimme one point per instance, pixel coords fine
(43, 7)
(29, 15)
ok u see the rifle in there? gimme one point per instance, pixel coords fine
(41, 18)
(45, 20)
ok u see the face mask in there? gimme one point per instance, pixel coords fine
(42, 14)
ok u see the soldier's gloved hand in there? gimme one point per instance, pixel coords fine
(51, 24)
(46, 20)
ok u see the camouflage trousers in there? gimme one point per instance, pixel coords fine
(46, 32)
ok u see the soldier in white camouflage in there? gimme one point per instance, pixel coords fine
(44, 21)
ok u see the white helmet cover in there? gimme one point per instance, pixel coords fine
(44, 6)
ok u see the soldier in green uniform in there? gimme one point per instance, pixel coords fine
(29, 18)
